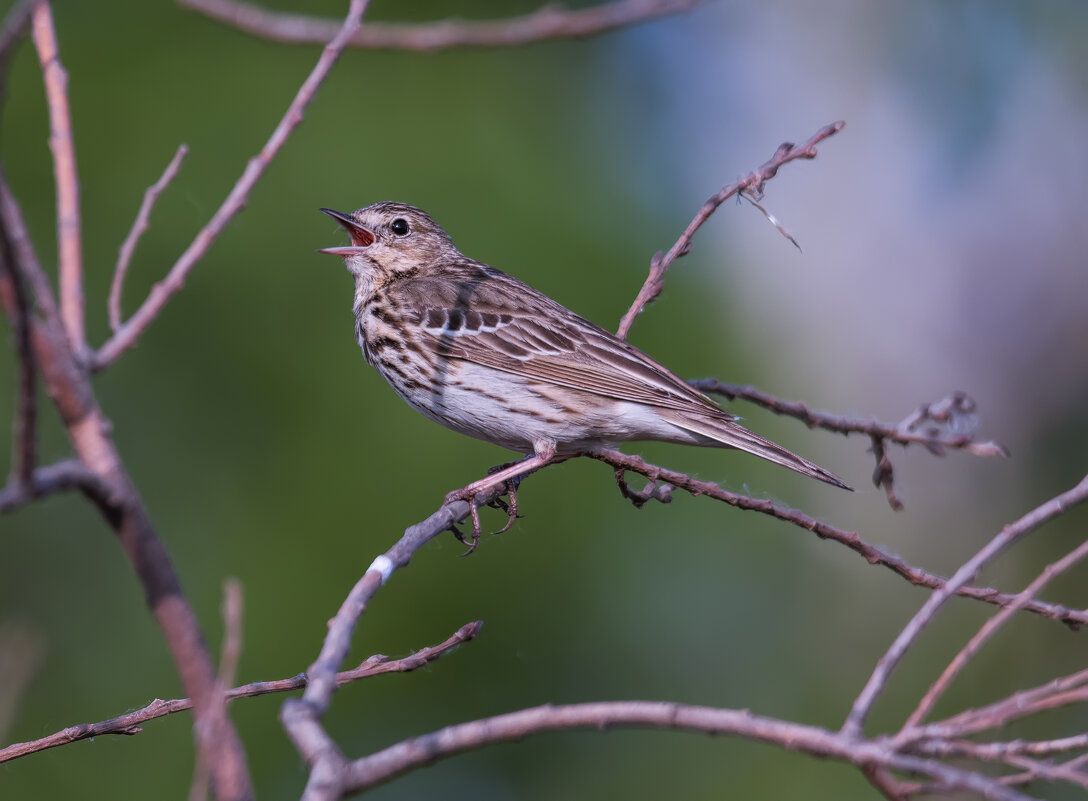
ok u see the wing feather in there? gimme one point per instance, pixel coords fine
(493, 319)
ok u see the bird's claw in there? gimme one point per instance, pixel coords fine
(511, 509)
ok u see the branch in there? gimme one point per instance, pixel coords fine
(855, 721)
(60, 477)
(988, 629)
(69, 248)
(301, 716)
(873, 555)
(548, 22)
(229, 654)
(13, 27)
(944, 418)
(128, 247)
(750, 185)
(417, 752)
(11, 30)
(125, 336)
(945, 425)
(24, 454)
(130, 723)
(89, 431)
(1055, 693)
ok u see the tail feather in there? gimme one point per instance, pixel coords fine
(729, 434)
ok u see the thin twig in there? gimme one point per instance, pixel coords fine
(24, 454)
(13, 27)
(130, 722)
(1051, 695)
(125, 337)
(70, 249)
(988, 629)
(949, 412)
(128, 247)
(751, 184)
(549, 22)
(855, 721)
(872, 554)
(882, 780)
(884, 473)
(11, 30)
(20, 250)
(63, 476)
(229, 655)
(999, 750)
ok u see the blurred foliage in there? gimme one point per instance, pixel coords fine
(267, 450)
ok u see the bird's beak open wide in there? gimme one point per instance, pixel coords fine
(361, 238)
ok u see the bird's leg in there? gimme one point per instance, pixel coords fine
(544, 454)
(510, 508)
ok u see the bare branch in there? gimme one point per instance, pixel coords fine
(229, 655)
(872, 554)
(60, 477)
(416, 752)
(24, 454)
(120, 505)
(125, 336)
(1000, 750)
(128, 247)
(11, 30)
(945, 425)
(67, 177)
(884, 473)
(750, 185)
(1009, 534)
(988, 629)
(24, 261)
(549, 22)
(13, 27)
(301, 716)
(130, 722)
(1058, 692)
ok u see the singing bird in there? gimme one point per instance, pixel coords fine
(485, 354)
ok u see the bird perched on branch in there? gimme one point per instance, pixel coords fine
(485, 354)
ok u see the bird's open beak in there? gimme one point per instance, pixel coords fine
(361, 238)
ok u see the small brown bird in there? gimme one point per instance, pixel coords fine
(486, 355)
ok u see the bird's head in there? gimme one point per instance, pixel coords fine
(390, 240)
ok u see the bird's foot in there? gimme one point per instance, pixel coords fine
(469, 495)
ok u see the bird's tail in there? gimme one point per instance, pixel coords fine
(726, 433)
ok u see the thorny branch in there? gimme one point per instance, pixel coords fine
(549, 22)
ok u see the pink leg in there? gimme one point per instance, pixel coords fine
(543, 456)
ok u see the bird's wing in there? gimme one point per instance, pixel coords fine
(490, 318)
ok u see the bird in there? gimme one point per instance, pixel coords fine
(484, 354)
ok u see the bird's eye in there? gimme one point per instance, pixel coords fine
(399, 226)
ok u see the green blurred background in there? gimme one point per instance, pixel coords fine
(944, 246)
